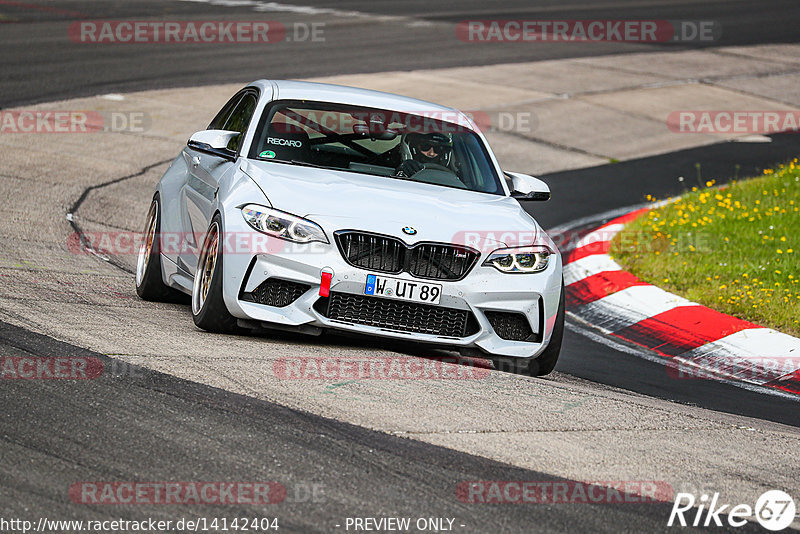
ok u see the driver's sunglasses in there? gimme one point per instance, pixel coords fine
(427, 146)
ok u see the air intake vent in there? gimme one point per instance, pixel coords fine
(398, 315)
(510, 326)
(386, 254)
(276, 292)
(373, 252)
(441, 262)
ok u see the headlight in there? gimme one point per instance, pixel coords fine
(283, 225)
(530, 259)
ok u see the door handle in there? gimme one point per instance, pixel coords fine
(195, 161)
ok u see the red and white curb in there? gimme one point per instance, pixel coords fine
(692, 340)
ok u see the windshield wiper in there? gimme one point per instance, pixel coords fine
(316, 166)
(299, 163)
(348, 169)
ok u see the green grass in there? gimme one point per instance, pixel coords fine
(735, 249)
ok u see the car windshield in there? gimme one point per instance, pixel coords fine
(418, 147)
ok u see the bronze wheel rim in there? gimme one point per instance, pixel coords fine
(206, 268)
(146, 248)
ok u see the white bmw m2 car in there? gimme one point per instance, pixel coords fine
(306, 206)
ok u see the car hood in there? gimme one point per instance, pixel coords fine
(339, 200)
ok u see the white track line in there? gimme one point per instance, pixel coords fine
(587, 266)
(630, 306)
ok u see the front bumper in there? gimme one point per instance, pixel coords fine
(484, 289)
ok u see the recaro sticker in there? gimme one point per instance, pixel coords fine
(284, 142)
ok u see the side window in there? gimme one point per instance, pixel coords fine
(222, 117)
(240, 119)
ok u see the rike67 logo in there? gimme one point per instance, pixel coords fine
(774, 510)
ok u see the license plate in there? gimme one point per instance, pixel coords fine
(395, 288)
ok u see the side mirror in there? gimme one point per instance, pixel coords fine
(524, 187)
(214, 142)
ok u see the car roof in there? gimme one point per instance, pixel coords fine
(342, 94)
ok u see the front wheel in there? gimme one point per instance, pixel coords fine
(208, 306)
(546, 361)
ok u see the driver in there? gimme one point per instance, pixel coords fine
(422, 149)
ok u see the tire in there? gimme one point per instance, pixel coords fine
(149, 283)
(546, 361)
(208, 306)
